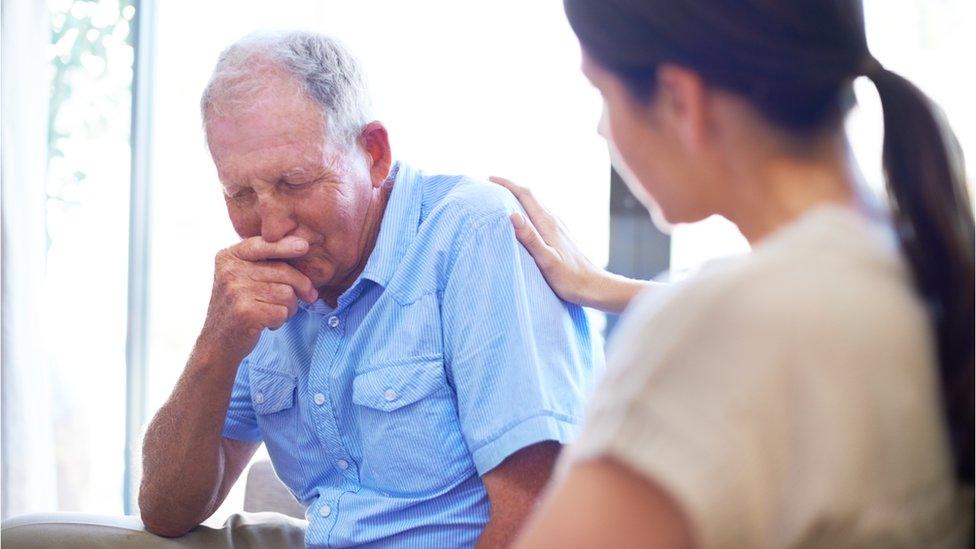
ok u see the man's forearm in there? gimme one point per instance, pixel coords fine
(183, 462)
(513, 488)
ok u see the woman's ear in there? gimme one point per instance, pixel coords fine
(376, 143)
(683, 100)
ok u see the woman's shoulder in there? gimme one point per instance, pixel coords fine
(830, 255)
(830, 278)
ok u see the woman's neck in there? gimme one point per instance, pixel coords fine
(773, 189)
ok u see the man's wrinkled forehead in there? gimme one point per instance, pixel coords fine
(289, 131)
(288, 160)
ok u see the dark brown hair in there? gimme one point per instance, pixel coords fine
(795, 62)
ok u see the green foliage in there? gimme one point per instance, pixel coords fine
(91, 68)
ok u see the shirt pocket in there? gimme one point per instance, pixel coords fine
(411, 437)
(273, 399)
(271, 391)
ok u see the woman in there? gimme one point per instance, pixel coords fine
(817, 392)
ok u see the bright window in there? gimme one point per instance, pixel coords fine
(87, 218)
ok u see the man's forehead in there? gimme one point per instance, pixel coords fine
(263, 111)
(270, 163)
(265, 121)
(268, 166)
(290, 143)
(241, 135)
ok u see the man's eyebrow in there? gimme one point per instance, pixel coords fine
(297, 171)
(229, 187)
(229, 182)
(300, 172)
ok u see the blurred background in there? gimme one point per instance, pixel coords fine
(112, 212)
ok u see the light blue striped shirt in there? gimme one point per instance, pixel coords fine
(448, 354)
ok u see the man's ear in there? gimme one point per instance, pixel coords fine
(685, 100)
(375, 141)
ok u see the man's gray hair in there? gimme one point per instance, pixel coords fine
(324, 70)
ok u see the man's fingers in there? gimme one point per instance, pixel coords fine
(273, 315)
(279, 294)
(282, 273)
(532, 240)
(538, 215)
(259, 249)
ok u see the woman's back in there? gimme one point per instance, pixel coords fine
(787, 398)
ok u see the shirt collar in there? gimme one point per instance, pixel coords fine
(399, 226)
(401, 218)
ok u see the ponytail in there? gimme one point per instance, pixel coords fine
(934, 222)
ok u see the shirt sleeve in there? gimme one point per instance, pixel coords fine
(520, 359)
(241, 423)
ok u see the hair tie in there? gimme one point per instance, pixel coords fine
(870, 66)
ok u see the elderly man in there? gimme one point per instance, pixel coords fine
(379, 329)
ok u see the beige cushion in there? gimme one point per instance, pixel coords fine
(265, 492)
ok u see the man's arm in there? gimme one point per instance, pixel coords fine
(520, 360)
(513, 489)
(188, 466)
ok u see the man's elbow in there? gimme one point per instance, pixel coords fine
(162, 527)
(160, 523)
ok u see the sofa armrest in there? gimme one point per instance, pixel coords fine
(44, 530)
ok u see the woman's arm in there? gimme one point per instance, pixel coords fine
(570, 274)
(605, 504)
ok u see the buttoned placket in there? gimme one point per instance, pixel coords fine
(327, 350)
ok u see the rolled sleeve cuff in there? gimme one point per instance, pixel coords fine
(542, 427)
(238, 430)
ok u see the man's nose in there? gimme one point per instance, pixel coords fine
(276, 219)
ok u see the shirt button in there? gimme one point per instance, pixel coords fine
(259, 398)
(319, 398)
(325, 510)
(342, 464)
(334, 321)
(390, 395)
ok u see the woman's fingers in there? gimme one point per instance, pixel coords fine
(539, 233)
(564, 266)
(508, 184)
(527, 234)
(544, 221)
(567, 270)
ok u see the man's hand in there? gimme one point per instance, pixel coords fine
(254, 290)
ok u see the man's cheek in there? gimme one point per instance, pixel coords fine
(318, 262)
(246, 224)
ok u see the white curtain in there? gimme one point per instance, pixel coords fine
(27, 449)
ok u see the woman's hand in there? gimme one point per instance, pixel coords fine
(570, 274)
